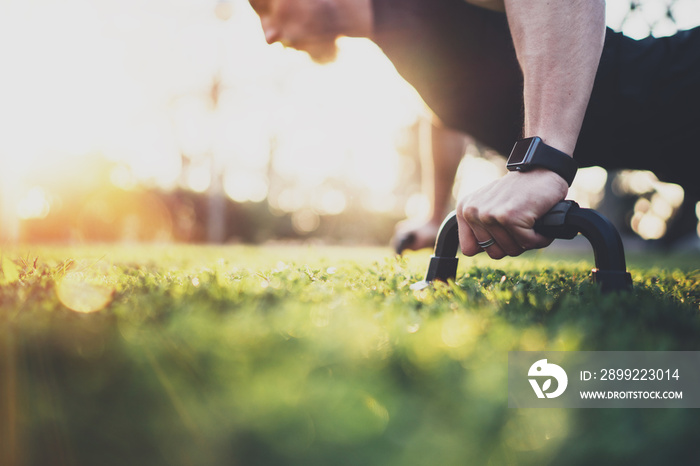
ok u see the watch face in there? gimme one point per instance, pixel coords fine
(522, 152)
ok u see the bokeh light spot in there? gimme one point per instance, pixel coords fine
(34, 205)
(305, 221)
(80, 294)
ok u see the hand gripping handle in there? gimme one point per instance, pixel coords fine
(564, 221)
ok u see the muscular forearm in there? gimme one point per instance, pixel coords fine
(558, 44)
(439, 162)
(447, 149)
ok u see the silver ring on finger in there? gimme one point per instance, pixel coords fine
(487, 243)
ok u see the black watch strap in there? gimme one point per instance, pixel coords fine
(531, 153)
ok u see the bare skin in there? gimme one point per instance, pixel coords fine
(558, 45)
(313, 25)
(439, 167)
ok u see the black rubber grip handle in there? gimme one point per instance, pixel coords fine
(564, 221)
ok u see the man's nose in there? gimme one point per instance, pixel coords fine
(272, 32)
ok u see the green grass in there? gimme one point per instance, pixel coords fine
(319, 356)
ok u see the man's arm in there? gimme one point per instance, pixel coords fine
(558, 45)
(447, 150)
(438, 169)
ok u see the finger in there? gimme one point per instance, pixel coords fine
(495, 250)
(507, 244)
(467, 240)
(482, 232)
(530, 239)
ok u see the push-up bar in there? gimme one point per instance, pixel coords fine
(564, 221)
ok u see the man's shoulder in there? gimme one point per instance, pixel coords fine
(496, 5)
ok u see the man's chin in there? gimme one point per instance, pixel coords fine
(322, 53)
(325, 58)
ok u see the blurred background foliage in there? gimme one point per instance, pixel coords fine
(174, 121)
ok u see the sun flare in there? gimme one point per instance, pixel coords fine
(171, 96)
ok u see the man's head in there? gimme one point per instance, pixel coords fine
(313, 25)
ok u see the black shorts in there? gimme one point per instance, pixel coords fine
(644, 111)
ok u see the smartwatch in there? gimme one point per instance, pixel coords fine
(532, 153)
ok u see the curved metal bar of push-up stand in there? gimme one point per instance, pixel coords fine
(564, 221)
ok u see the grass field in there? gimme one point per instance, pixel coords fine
(186, 355)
